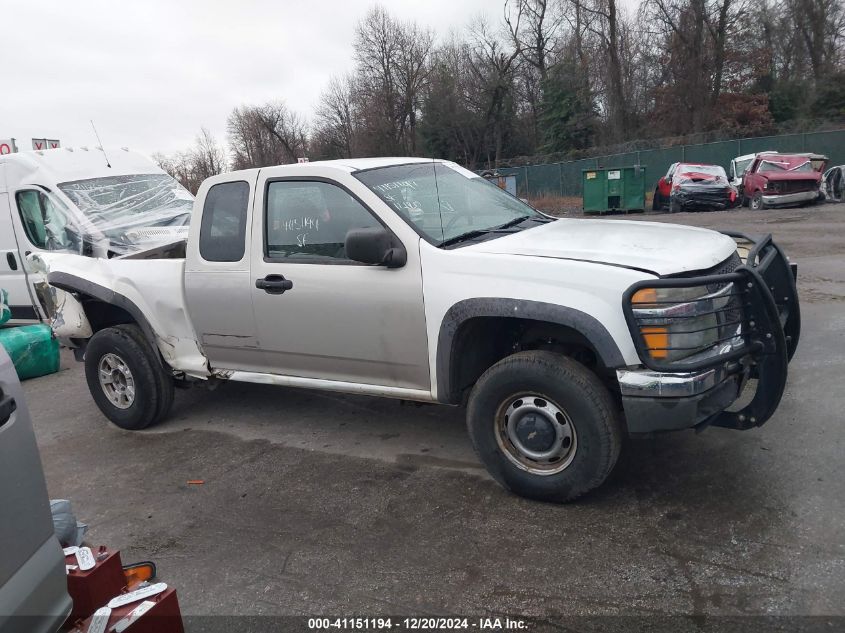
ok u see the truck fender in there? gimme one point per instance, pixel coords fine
(71, 283)
(586, 325)
(68, 318)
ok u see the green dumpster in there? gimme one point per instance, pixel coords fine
(614, 189)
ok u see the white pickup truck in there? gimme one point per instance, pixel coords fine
(417, 279)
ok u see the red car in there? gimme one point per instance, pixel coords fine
(783, 179)
(694, 186)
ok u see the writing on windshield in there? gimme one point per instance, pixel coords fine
(443, 201)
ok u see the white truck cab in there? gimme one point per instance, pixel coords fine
(417, 279)
(738, 166)
(83, 201)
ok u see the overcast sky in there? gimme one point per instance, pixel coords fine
(151, 72)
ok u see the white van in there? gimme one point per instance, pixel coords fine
(738, 166)
(85, 201)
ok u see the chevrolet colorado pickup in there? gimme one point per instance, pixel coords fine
(419, 280)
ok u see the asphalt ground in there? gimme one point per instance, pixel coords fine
(315, 503)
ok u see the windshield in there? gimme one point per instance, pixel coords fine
(741, 166)
(131, 212)
(444, 202)
(700, 173)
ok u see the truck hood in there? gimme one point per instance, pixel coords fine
(662, 249)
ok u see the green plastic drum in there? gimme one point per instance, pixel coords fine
(33, 349)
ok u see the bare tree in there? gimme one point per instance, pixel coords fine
(337, 127)
(535, 28)
(204, 159)
(264, 135)
(820, 25)
(207, 157)
(493, 61)
(606, 24)
(393, 67)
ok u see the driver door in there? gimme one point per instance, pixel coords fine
(39, 223)
(340, 320)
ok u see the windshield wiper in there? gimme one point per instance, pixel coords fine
(463, 237)
(503, 228)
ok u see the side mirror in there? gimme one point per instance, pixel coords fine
(375, 246)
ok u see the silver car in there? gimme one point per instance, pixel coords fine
(33, 582)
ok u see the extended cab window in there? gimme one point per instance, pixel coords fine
(223, 229)
(46, 221)
(309, 220)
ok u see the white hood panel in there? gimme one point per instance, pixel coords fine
(652, 246)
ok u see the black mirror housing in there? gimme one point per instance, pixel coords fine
(375, 246)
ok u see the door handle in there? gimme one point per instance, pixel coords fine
(13, 263)
(274, 284)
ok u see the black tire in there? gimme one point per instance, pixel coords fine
(674, 206)
(566, 385)
(153, 386)
(657, 201)
(757, 203)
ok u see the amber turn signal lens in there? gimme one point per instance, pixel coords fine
(656, 340)
(138, 573)
(644, 296)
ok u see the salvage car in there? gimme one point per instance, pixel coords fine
(775, 180)
(695, 187)
(419, 280)
(833, 184)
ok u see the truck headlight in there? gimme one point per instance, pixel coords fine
(676, 323)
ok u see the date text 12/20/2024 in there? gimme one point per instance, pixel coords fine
(418, 624)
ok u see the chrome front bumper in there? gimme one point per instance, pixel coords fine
(655, 401)
(790, 198)
(655, 384)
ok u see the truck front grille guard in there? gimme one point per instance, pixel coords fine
(769, 315)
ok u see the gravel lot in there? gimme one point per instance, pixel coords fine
(330, 504)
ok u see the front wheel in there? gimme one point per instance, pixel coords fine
(544, 426)
(126, 378)
(757, 201)
(657, 201)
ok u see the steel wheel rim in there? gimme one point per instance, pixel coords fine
(116, 381)
(536, 434)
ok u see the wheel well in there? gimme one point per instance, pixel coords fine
(102, 315)
(481, 342)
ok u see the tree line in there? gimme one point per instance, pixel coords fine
(551, 77)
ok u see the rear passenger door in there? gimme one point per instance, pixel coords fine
(217, 277)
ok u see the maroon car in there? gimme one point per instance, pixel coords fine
(774, 180)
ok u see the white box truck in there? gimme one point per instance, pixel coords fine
(85, 201)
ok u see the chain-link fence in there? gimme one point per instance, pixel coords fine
(564, 179)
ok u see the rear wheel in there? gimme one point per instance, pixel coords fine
(674, 206)
(544, 426)
(757, 201)
(126, 377)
